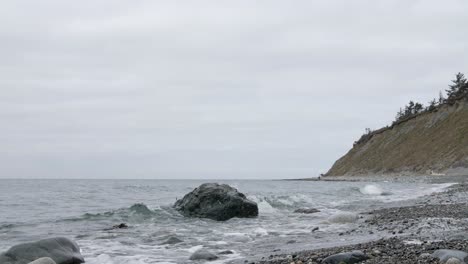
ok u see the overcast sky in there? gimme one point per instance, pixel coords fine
(212, 89)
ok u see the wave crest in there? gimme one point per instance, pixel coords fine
(372, 189)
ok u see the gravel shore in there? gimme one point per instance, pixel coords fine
(409, 233)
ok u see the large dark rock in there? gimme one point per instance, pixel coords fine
(216, 201)
(346, 258)
(61, 250)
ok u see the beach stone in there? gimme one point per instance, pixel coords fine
(445, 254)
(216, 201)
(172, 241)
(306, 210)
(43, 261)
(453, 261)
(425, 255)
(203, 254)
(61, 250)
(346, 258)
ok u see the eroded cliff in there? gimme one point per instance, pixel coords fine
(432, 142)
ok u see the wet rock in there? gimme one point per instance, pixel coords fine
(306, 211)
(43, 261)
(226, 252)
(346, 258)
(60, 250)
(216, 201)
(203, 254)
(120, 226)
(453, 261)
(172, 241)
(315, 229)
(445, 254)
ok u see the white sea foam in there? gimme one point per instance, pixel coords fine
(371, 189)
(260, 231)
(195, 248)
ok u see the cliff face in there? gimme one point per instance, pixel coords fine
(432, 142)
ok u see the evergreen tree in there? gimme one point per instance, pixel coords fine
(458, 87)
(400, 115)
(418, 108)
(409, 109)
(432, 105)
(441, 98)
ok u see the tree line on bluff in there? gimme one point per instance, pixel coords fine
(457, 91)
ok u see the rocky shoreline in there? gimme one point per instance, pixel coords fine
(408, 233)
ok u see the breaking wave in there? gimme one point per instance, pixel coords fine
(136, 213)
(372, 189)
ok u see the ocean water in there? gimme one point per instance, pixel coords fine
(83, 209)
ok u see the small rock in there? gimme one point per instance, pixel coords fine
(226, 252)
(203, 254)
(425, 255)
(315, 229)
(347, 258)
(120, 226)
(291, 242)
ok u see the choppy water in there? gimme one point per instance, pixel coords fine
(83, 209)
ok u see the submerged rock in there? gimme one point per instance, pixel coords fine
(61, 250)
(43, 261)
(446, 254)
(226, 252)
(306, 210)
(172, 241)
(203, 254)
(216, 201)
(346, 258)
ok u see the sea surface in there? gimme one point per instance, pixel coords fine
(84, 210)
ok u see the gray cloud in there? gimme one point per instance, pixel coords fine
(212, 89)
